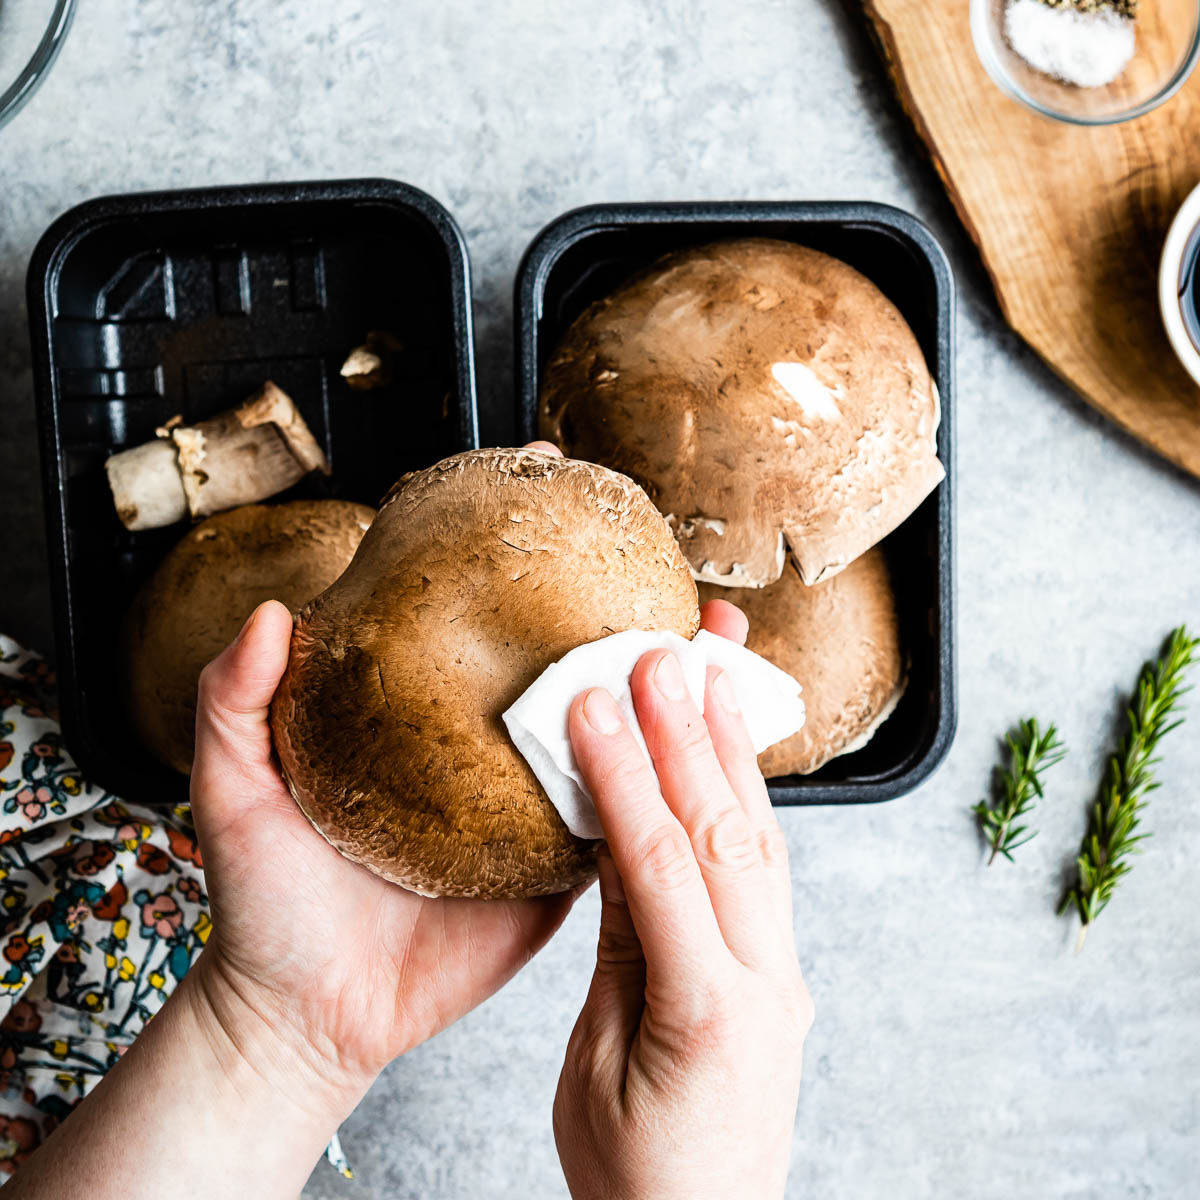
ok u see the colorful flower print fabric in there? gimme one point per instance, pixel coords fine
(103, 912)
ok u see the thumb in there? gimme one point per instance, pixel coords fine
(233, 738)
(612, 1012)
(618, 991)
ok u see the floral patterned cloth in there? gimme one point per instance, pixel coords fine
(104, 910)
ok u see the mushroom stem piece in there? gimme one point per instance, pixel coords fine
(370, 365)
(237, 457)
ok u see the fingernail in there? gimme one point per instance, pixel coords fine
(601, 711)
(668, 678)
(722, 689)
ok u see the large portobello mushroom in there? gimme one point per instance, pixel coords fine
(765, 395)
(476, 575)
(841, 638)
(193, 605)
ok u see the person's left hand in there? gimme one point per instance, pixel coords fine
(355, 970)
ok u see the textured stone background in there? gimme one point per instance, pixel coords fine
(960, 1050)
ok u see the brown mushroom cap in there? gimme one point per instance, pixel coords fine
(193, 606)
(841, 640)
(476, 575)
(762, 393)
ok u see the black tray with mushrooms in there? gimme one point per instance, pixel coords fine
(592, 287)
(163, 313)
(147, 308)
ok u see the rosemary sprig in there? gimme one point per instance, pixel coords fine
(1030, 751)
(1112, 834)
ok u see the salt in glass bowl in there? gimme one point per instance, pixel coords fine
(31, 35)
(1166, 48)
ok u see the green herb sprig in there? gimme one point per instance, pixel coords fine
(1030, 752)
(1112, 834)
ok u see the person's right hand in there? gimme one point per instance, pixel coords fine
(683, 1071)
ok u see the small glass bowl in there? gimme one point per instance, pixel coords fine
(31, 35)
(1166, 48)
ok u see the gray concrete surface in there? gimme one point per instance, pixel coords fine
(960, 1050)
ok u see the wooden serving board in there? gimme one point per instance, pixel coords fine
(1070, 221)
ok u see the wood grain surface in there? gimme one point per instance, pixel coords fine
(1070, 221)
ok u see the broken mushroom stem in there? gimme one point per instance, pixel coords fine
(370, 365)
(237, 457)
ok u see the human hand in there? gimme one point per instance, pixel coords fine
(683, 1071)
(353, 968)
(347, 969)
(315, 975)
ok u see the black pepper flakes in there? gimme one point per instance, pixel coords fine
(1123, 8)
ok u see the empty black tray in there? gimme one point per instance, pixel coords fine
(145, 306)
(586, 254)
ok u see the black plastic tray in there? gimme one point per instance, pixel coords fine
(584, 255)
(149, 305)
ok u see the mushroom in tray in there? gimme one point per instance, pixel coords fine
(372, 365)
(767, 396)
(477, 574)
(842, 639)
(192, 607)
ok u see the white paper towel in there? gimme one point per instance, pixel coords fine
(537, 723)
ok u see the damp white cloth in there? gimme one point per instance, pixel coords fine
(537, 723)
